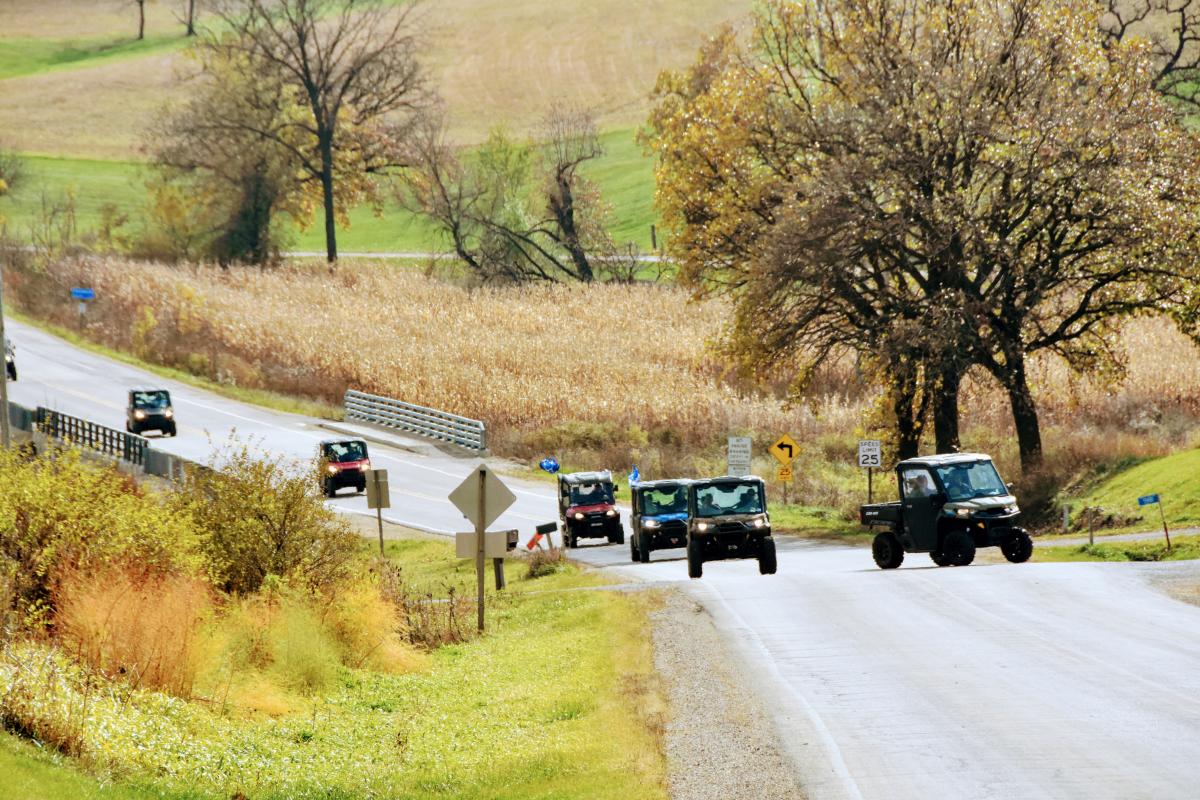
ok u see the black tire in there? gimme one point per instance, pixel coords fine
(572, 540)
(128, 427)
(1018, 547)
(767, 563)
(644, 547)
(695, 555)
(12, 372)
(330, 489)
(172, 430)
(618, 537)
(633, 549)
(939, 558)
(887, 550)
(959, 549)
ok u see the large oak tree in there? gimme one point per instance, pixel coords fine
(934, 184)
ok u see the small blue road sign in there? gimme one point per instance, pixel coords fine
(80, 293)
(1148, 500)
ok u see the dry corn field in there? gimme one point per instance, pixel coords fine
(619, 372)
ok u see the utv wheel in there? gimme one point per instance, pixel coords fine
(695, 555)
(1018, 547)
(643, 547)
(766, 556)
(572, 540)
(959, 549)
(617, 538)
(887, 550)
(939, 558)
(633, 549)
(330, 491)
(172, 430)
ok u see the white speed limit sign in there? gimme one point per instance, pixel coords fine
(870, 454)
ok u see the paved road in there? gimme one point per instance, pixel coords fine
(992, 681)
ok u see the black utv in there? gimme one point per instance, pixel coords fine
(150, 410)
(949, 506)
(727, 518)
(659, 519)
(10, 360)
(587, 508)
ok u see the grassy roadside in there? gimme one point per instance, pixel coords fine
(1172, 477)
(260, 397)
(1183, 548)
(558, 700)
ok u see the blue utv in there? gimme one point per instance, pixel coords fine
(660, 517)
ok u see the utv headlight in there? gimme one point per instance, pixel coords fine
(1011, 509)
(703, 526)
(962, 512)
(169, 414)
(139, 414)
(650, 524)
(760, 522)
(331, 469)
(612, 512)
(578, 515)
(8, 358)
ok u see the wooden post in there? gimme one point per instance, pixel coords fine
(498, 569)
(1166, 532)
(379, 518)
(870, 487)
(479, 559)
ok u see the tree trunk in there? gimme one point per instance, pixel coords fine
(191, 18)
(908, 418)
(945, 410)
(563, 208)
(1024, 412)
(141, 4)
(326, 145)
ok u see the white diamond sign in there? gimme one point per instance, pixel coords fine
(496, 497)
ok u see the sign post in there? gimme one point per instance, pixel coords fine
(870, 455)
(83, 295)
(378, 497)
(481, 498)
(739, 455)
(1151, 500)
(5, 433)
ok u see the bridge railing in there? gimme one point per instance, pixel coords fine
(428, 422)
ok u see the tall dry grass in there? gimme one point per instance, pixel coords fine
(146, 630)
(604, 375)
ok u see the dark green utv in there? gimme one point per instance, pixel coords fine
(949, 506)
(727, 518)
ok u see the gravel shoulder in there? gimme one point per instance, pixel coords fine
(720, 742)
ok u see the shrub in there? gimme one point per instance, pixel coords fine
(40, 697)
(369, 629)
(545, 562)
(146, 630)
(428, 621)
(304, 656)
(258, 517)
(60, 511)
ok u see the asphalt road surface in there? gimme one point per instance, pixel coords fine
(991, 681)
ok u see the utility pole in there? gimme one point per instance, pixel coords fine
(5, 434)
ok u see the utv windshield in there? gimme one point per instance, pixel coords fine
(151, 400)
(729, 498)
(341, 452)
(591, 494)
(972, 480)
(664, 500)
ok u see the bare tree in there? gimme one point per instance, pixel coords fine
(1172, 27)
(518, 211)
(352, 63)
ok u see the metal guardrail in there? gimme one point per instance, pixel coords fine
(84, 433)
(428, 422)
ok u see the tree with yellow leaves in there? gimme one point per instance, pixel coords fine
(933, 184)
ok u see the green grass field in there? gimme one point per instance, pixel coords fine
(1173, 478)
(623, 174)
(30, 56)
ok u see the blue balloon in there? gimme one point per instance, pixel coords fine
(549, 464)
